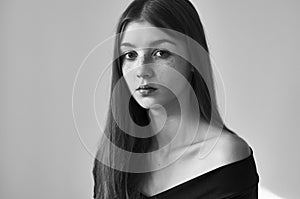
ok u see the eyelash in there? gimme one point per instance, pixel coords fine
(156, 51)
(128, 53)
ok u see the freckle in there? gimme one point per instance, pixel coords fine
(171, 63)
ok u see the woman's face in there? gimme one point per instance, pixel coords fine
(150, 57)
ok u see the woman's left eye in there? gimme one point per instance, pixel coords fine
(162, 53)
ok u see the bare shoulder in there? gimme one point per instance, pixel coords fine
(231, 148)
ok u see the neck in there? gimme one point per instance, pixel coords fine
(173, 120)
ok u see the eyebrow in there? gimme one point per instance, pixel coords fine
(151, 44)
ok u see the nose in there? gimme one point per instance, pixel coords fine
(144, 72)
(145, 69)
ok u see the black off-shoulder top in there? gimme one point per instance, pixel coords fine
(237, 180)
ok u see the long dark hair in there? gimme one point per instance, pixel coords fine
(177, 15)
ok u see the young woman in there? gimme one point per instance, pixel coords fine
(162, 106)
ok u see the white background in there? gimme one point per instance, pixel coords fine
(42, 43)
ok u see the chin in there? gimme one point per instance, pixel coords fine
(151, 101)
(146, 103)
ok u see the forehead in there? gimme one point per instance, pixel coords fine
(143, 34)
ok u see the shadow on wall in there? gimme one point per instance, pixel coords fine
(264, 193)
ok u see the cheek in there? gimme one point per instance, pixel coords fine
(168, 63)
(129, 78)
(182, 66)
(169, 78)
(128, 70)
(126, 67)
(177, 63)
(163, 68)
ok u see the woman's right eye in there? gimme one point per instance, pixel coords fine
(129, 56)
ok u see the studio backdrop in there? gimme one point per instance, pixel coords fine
(255, 49)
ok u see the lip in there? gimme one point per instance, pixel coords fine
(146, 87)
(146, 92)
